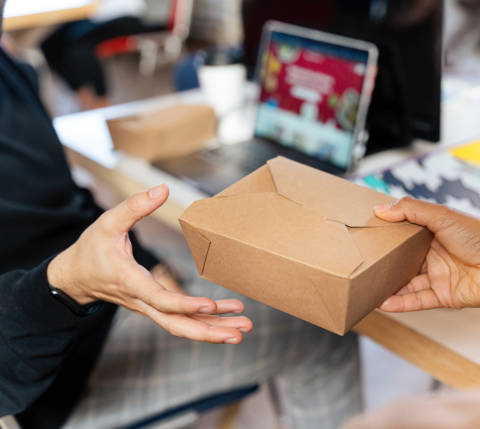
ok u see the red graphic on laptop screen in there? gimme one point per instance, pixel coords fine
(312, 84)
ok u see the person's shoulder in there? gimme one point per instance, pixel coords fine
(14, 72)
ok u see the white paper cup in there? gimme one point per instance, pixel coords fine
(222, 79)
(223, 86)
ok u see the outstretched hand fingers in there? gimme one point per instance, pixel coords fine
(174, 311)
(229, 306)
(142, 288)
(167, 283)
(242, 323)
(185, 326)
(167, 305)
(186, 316)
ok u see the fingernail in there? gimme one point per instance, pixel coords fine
(232, 340)
(206, 309)
(386, 301)
(156, 192)
(243, 329)
(383, 207)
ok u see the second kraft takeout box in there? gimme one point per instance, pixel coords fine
(168, 133)
(304, 242)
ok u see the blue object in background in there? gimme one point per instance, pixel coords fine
(184, 74)
(376, 183)
(273, 102)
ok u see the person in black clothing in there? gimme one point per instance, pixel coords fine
(64, 267)
(71, 53)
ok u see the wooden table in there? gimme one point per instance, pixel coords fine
(23, 14)
(444, 343)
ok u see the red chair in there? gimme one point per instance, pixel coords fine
(155, 48)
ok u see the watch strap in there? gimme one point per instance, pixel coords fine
(76, 308)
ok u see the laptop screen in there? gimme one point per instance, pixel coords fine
(310, 94)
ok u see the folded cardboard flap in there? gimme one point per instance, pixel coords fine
(274, 223)
(163, 134)
(199, 247)
(288, 218)
(335, 198)
(260, 180)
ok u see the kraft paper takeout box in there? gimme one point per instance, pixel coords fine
(304, 242)
(164, 134)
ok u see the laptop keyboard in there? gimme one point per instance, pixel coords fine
(211, 171)
(248, 155)
(251, 155)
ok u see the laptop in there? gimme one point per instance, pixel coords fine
(315, 90)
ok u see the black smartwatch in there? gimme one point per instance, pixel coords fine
(72, 305)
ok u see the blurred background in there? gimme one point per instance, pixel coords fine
(147, 63)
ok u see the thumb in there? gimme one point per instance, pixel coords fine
(124, 216)
(415, 211)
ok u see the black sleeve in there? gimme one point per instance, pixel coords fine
(36, 333)
(46, 351)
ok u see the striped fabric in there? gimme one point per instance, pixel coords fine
(144, 370)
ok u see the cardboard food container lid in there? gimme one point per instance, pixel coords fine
(171, 116)
(296, 213)
(163, 134)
